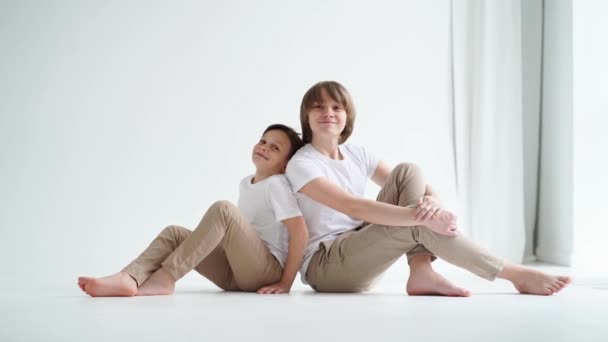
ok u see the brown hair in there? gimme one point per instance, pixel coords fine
(294, 138)
(339, 94)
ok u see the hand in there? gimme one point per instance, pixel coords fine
(275, 288)
(427, 208)
(443, 222)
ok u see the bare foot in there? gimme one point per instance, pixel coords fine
(430, 283)
(160, 283)
(424, 281)
(530, 281)
(117, 285)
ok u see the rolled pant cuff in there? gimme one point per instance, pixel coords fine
(415, 254)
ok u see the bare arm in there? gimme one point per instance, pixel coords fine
(328, 194)
(380, 176)
(298, 239)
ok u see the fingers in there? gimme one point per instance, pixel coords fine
(420, 210)
(271, 290)
(262, 290)
(426, 209)
(424, 212)
(429, 214)
(266, 290)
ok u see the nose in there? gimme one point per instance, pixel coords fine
(327, 111)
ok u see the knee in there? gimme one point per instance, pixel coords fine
(175, 233)
(223, 208)
(409, 168)
(408, 171)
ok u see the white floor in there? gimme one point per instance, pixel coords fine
(198, 312)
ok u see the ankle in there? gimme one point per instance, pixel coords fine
(509, 272)
(420, 264)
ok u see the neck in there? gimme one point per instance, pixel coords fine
(260, 175)
(327, 146)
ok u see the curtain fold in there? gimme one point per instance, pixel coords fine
(486, 59)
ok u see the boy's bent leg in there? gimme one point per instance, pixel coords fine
(355, 259)
(216, 268)
(227, 250)
(404, 187)
(159, 249)
(251, 262)
(128, 280)
(204, 243)
(462, 252)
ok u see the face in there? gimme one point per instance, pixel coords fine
(270, 153)
(327, 117)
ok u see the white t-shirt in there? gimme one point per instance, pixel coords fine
(265, 204)
(350, 174)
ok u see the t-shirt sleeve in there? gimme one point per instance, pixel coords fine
(301, 171)
(369, 160)
(282, 200)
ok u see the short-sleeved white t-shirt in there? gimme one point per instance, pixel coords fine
(350, 174)
(265, 204)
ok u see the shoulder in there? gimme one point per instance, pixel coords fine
(356, 150)
(246, 180)
(279, 180)
(278, 188)
(304, 153)
(303, 158)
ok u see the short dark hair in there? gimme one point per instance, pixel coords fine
(294, 137)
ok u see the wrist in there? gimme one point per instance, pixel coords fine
(286, 282)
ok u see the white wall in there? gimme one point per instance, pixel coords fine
(590, 138)
(120, 118)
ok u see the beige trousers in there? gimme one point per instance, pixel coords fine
(357, 257)
(224, 248)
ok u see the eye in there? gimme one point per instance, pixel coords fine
(262, 142)
(338, 108)
(316, 106)
(275, 148)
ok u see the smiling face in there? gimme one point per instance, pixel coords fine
(271, 154)
(327, 117)
(327, 109)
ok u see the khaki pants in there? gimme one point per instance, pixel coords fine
(224, 248)
(357, 257)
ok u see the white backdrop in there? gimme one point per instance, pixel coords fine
(118, 119)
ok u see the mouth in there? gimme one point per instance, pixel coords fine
(260, 155)
(326, 122)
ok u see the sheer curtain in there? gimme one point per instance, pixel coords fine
(512, 114)
(489, 124)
